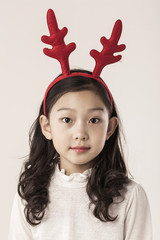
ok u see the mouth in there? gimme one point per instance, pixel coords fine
(80, 149)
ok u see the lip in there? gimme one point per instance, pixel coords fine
(80, 148)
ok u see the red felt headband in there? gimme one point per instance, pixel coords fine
(61, 52)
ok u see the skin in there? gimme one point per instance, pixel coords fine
(78, 119)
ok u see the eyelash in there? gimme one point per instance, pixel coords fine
(70, 120)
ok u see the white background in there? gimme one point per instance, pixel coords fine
(134, 82)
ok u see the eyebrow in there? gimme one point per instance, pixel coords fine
(90, 109)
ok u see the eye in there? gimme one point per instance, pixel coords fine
(66, 120)
(94, 120)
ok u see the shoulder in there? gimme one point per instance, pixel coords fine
(135, 197)
(134, 190)
(136, 211)
(19, 227)
(18, 207)
(18, 201)
(132, 198)
(133, 206)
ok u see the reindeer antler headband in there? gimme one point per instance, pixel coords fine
(61, 52)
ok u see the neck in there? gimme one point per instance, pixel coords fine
(74, 168)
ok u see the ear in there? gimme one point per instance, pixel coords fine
(45, 127)
(112, 125)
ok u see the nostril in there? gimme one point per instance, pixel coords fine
(82, 138)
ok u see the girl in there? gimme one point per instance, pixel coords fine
(75, 184)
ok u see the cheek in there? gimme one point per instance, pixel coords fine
(100, 136)
(55, 127)
(59, 134)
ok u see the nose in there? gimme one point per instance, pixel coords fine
(80, 132)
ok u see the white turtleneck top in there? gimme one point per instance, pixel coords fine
(68, 216)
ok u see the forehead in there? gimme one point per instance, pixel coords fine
(84, 102)
(87, 98)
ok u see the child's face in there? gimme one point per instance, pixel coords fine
(78, 125)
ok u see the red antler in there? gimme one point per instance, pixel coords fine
(106, 56)
(60, 50)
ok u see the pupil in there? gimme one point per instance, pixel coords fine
(93, 120)
(67, 120)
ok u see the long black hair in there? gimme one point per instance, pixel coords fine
(109, 173)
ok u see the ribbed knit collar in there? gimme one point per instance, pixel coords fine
(75, 180)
